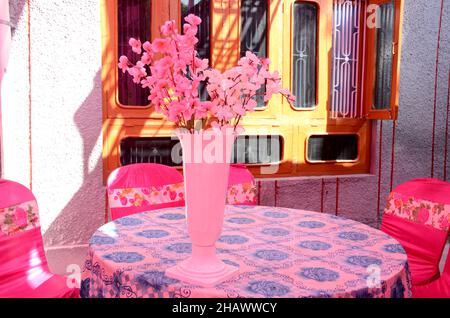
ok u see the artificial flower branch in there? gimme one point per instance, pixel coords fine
(171, 69)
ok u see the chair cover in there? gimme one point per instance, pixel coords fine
(24, 271)
(241, 186)
(144, 187)
(417, 214)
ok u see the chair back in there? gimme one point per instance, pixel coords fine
(417, 214)
(241, 186)
(143, 187)
(22, 256)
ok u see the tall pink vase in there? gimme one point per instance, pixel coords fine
(206, 163)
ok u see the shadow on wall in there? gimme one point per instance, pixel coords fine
(84, 213)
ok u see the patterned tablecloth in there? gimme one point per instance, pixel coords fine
(280, 253)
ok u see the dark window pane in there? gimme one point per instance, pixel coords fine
(345, 58)
(332, 147)
(247, 149)
(257, 149)
(254, 33)
(385, 38)
(148, 150)
(202, 9)
(304, 54)
(133, 21)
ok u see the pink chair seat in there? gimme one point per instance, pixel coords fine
(417, 214)
(241, 186)
(144, 187)
(24, 271)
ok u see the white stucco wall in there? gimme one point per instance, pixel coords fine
(66, 115)
(66, 120)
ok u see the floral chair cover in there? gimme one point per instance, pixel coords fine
(241, 186)
(24, 272)
(144, 187)
(417, 214)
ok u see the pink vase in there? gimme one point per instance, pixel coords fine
(206, 163)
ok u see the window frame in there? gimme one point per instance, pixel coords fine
(390, 113)
(358, 143)
(112, 108)
(117, 71)
(278, 118)
(268, 21)
(317, 5)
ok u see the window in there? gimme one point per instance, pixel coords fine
(343, 71)
(147, 150)
(304, 54)
(257, 149)
(348, 41)
(322, 148)
(253, 34)
(133, 20)
(384, 57)
(202, 9)
(247, 150)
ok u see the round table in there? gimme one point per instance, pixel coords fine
(280, 252)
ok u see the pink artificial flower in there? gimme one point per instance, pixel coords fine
(222, 113)
(138, 72)
(146, 58)
(160, 46)
(251, 105)
(136, 45)
(265, 62)
(147, 47)
(123, 63)
(168, 28)
(192, 19)
(189, 30)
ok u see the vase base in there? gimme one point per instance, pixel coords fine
(215, 274)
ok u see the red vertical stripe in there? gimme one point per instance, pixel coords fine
(29, 95)
(322, 196)
(436, 87)
(379, 168)
(394, 128)
(276, 193)
(337, 196)
(259, 192)
(446, 129)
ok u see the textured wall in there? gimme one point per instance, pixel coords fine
(66, 120)
(358, 197)
(65, 115)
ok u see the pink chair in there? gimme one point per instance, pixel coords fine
(418, 216)
(24, 272)
(241, 186)
(143, 187)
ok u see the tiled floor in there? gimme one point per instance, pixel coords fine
(61, 261)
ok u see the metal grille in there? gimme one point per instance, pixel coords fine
(304, 54)
(333, 148)
(134, 20)
(385, 38)
(257, 149)
(254, 33)
(348, 43)
(148, 150)
(262, 149)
